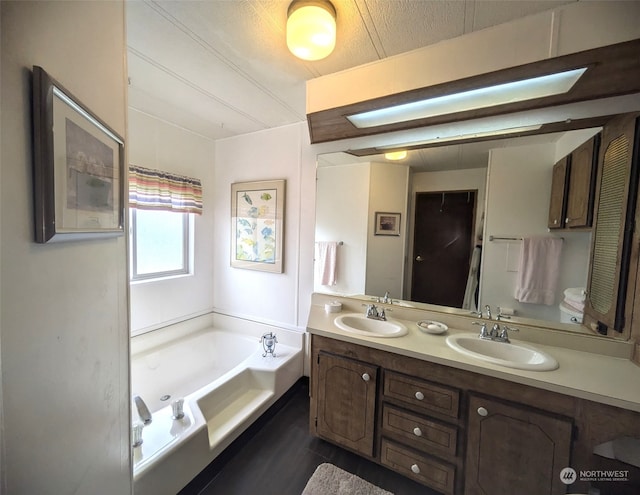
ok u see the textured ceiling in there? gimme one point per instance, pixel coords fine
(221, 67)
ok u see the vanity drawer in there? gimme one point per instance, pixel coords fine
(426, 470)
(423, 394)
(423, 433)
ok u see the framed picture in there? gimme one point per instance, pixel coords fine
(78, 167)
(257, 225)
(387, 223)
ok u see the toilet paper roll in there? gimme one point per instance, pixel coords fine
(333, 307)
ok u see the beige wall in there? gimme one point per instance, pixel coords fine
(63, 324)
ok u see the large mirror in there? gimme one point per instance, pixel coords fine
(443, 228)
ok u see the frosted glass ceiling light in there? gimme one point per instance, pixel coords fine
(396, 155)
(311, 28)
(527, 89)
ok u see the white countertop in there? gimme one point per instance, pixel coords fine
(600, 378)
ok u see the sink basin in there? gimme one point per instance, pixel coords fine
(361, 325)
(512, 355)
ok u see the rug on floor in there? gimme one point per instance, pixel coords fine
(331, 480)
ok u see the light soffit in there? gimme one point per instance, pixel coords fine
(612, 70)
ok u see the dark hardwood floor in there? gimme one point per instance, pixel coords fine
(277, 456)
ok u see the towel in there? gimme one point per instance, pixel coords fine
(538, 270)
(326, 262)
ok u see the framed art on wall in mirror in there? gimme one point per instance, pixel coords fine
(387, 223)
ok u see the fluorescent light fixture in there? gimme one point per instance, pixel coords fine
(459, 137)
(527, 89)
(396, 155)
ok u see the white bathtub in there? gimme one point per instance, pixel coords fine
(215, 363)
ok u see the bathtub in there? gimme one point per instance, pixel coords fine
(216, 364)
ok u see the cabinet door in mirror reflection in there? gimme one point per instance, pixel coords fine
(615, 209)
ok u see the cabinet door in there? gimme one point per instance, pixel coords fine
(557, 205)
(613, 254)
(582, 185)
(512, 449)
(346, 402)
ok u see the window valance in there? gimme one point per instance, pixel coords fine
(157, 190)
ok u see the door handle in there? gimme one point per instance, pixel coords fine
(419, 258)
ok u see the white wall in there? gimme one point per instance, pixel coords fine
(64, 306)
(518, 193)
(389, 184)
(342, 215)
(160, 145)
(282, 153)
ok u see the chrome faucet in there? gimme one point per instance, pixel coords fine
(143, 410)
(375, 313)
(495, 334)
(386, 299)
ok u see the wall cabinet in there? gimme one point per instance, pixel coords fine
(455, 431)
(573, 188)
(559, 187)
(529, 447)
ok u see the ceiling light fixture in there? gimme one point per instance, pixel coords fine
(311, 28)
(500, 94)
(460, 137)
(396, 155)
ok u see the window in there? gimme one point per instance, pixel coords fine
(161, 244)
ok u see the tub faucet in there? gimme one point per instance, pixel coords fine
(143, 410)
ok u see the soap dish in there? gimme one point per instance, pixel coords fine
(433, 327)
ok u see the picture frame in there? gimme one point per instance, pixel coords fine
(78, 167)
(257, 225)
(387, 223)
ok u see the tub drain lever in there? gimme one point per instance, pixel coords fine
(269, 341)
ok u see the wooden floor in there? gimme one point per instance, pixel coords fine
(277, 456)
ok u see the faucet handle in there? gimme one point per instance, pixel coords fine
(487, 308)
(500, 316)
(505, 332)
(483, 329)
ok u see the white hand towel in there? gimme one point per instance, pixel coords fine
(326, 262)
(538, 270)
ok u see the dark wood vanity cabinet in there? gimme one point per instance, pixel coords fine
(455, 431)
(346, 402)
(573, 188)
(530, 447)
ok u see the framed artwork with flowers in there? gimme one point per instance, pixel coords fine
(257, 225)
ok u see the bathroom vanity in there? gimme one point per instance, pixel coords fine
(463, 426)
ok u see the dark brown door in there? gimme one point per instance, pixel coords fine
(442, 246)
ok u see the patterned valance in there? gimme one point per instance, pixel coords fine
(157, 190)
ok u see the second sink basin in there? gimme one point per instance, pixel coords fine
(511, 355)
(361, 325)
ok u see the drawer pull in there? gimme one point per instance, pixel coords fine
(415, 468)
(419, 395)
(417, 432)
(482, 411)
(366, 377)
